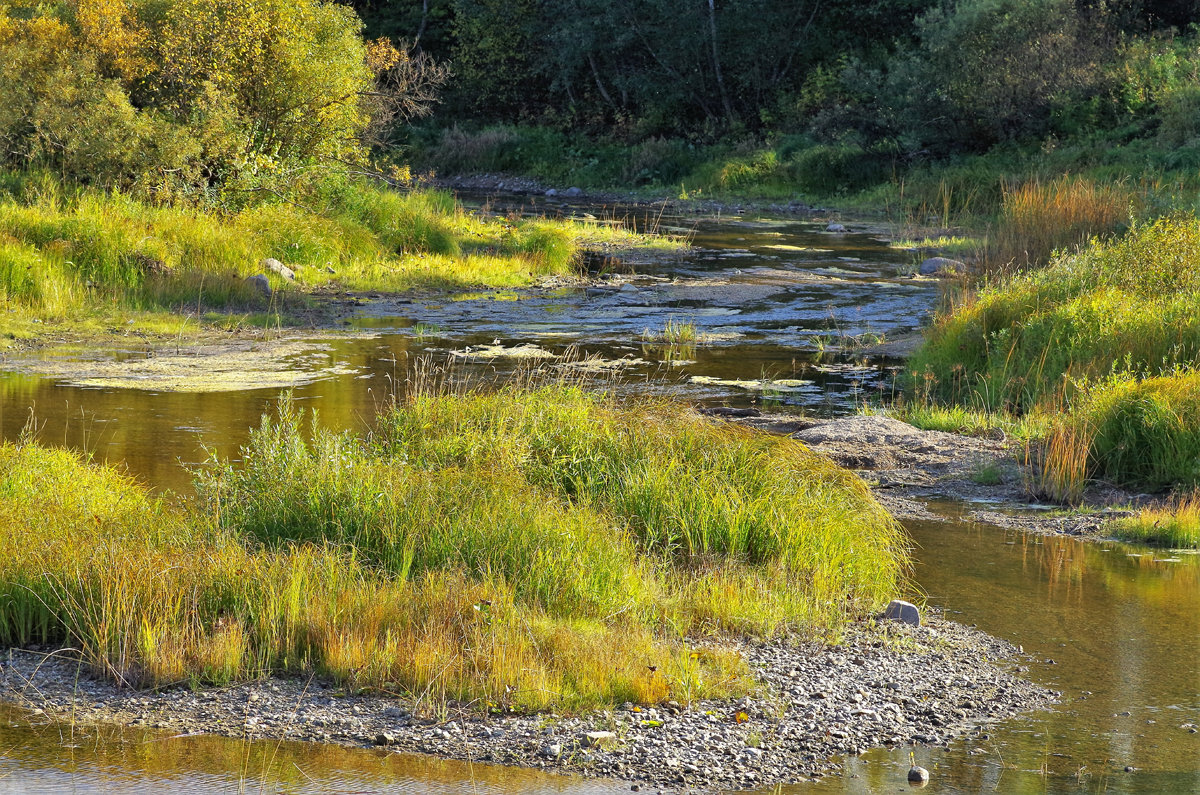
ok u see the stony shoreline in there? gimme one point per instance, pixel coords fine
(982, 478)
(887, 684)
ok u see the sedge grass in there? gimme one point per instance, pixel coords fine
(1127, 304)
(532, 548)
(1175, 524)
(1097, 351)
(1039, 217)
(675, 332)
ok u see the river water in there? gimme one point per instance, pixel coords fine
(771, 299)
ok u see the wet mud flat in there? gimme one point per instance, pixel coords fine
(885, 685)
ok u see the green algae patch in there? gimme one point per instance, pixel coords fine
(269, 364)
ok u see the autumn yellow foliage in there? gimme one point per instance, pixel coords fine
(185, 95)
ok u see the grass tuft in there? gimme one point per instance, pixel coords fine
(1176, 524)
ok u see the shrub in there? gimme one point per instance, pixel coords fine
(184, 95)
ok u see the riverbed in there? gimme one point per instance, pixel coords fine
(786, 317)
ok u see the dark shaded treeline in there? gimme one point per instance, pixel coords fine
(902, 77)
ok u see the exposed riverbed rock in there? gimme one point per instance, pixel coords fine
(941, 266)
(889, 685)
(908, 468)
(275, 266)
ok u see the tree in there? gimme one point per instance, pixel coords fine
(197, 94)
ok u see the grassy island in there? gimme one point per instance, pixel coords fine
(534, 547)
(1094, 353)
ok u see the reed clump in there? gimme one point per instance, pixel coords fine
(675, 331)
(529, 548)
(1038, 217)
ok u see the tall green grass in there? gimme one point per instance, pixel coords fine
(1175, 524)
(529, 548)
(68, 251)
(1127, 304)
(683, 487)
(1039, 217)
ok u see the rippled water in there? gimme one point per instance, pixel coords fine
(1121, 624)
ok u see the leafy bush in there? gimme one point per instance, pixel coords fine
(186, 95)
(827, 169)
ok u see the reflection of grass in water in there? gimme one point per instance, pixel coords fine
(528, 548)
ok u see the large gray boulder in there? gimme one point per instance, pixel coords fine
(904, 612)
(941, 266)
(838, 228)
(259, 282)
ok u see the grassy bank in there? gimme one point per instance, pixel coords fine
(1096, 350)
(1001, 210)
(529, 548)
(1175, 524)
(78, 256)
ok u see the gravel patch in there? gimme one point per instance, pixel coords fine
(909, 468)
(887, 685)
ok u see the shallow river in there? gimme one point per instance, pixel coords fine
(773, 297)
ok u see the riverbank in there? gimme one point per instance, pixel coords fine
(885, 684)
(661, 201)
(84, 261)
(987, 478)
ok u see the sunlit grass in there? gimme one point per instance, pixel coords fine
(1039, 217)
(1176, 524)
(537, 547)
(675, 332)
(967, 421)
(70, 253)
(952, 246)
(1098, 350)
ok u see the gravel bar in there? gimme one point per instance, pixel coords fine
(885, 685)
